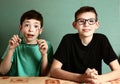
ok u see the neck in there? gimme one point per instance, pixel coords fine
(86, 39)
(31, 42)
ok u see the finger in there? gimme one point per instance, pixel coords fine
(40, 41)
(88, 69)
(15, 38)
(11, 42)
(43, 46)
(88, 72)
(18, 38)
(95, 71)
(93, 75)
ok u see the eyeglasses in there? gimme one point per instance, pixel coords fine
(90, 21)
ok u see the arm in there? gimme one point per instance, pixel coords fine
(57, 72)
(114, 74)
(6, 62)
(44, 70)
(43, 49)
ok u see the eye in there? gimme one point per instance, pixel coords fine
(26, 25)
(81, 20)
(36, 26)
(91, 20)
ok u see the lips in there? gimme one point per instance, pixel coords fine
(86, 30)
(30, 35)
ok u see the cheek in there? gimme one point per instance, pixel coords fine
(36, 33)
(80, 27)
(40, 31)
(95, 27)
(23, 31)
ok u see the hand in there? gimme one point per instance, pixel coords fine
(14, 42)
(91, 76)
(92, 73)
(43, 47)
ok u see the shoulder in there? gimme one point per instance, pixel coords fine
(50, 49)
(70, 36)
(100, 36)
(49, 43)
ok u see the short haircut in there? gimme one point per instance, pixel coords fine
(85, 9)
(32, 14)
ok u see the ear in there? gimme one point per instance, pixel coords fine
(20, 27)
(74, 24)
(97, 24)
(40, 30)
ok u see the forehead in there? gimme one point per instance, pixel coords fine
(32, 21)
(86, 15)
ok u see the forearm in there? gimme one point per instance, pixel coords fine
(59, 73)
(5, 65)
(44, 69)
(114, 74)
(110, 76)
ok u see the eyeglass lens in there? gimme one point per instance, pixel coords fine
(90, 21)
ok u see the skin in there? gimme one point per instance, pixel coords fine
(30, 29)
(91, 75)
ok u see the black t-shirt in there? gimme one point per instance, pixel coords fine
(76, 57)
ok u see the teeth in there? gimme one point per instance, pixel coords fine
(30, 35)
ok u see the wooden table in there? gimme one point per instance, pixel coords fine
(41, 80)
(33, 80)
(113, 82)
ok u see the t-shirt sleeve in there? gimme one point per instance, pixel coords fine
(108, 53)
(50, 53)
(63, 50)
(4, 54)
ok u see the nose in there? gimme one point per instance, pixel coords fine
(31, 28)
(86, 23)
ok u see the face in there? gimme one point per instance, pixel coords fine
(86, 24)
(30, 29)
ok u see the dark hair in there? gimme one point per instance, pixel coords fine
(32, 14)
(85, 9)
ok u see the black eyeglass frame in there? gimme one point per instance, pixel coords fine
(83, 21)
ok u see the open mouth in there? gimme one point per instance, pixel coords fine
(30, 35)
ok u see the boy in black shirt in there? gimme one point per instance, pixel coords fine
(79, 56)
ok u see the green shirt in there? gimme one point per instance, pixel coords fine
(26, 60)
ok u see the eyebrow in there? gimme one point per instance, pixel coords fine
(29, 22)
(83, 19)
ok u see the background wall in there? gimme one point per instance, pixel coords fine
(58, 17)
